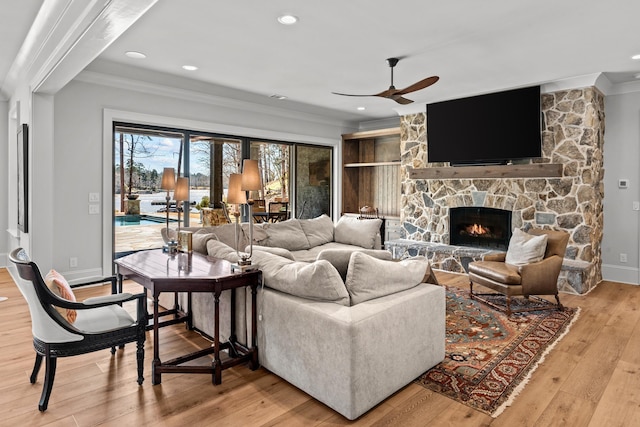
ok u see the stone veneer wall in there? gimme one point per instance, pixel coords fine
(573, 135)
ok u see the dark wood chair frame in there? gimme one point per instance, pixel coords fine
(90, 342)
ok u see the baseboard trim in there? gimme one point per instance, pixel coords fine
(616, 273)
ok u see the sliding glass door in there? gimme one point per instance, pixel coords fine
(211, 160)
(296, 180)
(314, 165)
(140, 208)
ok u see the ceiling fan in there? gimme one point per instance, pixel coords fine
(396, 94)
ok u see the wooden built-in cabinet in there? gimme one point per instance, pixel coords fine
(371, 171)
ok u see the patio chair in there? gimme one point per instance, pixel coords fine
(100, 323)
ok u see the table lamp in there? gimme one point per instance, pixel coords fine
(237, 197)
(181, 194)
(168, 183)
(250, 182)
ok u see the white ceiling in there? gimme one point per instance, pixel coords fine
(337, 45)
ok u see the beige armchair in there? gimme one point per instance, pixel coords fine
(538, 278)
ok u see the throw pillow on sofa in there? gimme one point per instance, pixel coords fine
(218, 249)
(339, 258)
(286, 234)
(318, 230)
(199, 240)
(276, 251)
(360, 232)
(369, 277)
(317, 280)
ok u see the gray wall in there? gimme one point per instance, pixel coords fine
(621, 158)
(79, 161)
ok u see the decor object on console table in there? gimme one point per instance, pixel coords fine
(181, 194)
(511, 274)
(250, 182)
(237, 197)
(168, 183)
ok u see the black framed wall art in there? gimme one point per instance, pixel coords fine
(23, 178)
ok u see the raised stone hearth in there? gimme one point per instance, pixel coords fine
(573, 276)
(573, 137)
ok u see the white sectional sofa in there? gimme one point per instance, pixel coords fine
(337, 318)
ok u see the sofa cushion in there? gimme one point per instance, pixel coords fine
(310, 255)
(276, 251)
(369, 277)
(199, 240)
(225, 233)
(318, 280)
(218, 249)
(359, 232)
(286, 234)
(339, 258)
(318, 230)
(525, 248)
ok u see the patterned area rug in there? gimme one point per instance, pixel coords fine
(490, 357)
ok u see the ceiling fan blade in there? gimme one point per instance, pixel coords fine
(349, 94)
(419, 85)
(387, 93)
(400, 100)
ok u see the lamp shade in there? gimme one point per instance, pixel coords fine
(235, 195)
(181, 192)
(168, 179)
(250, 175)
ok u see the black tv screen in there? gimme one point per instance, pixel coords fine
(487, 129)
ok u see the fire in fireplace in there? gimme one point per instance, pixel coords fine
(480, 227)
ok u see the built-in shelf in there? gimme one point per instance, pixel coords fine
(535, 170)
(364, 164)
(371, 171)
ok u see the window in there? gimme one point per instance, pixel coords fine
(140, 154)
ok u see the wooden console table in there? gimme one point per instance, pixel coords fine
(161, 272)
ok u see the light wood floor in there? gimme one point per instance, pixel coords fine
(591, 378)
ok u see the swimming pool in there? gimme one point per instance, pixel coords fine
(125, 220)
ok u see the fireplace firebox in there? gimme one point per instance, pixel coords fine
(480, 227)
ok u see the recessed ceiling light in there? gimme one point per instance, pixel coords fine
(190, 67)
(279, 97)
(636, 56)
(287, 19)
(135, 55)
(361, 108)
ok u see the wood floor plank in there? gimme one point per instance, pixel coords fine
(624, 387)
(592, 377)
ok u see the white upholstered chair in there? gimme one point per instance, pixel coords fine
(101, 323)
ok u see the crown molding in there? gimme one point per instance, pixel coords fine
(598, 80)
(126, 83)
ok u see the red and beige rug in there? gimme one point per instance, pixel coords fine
(489, 356)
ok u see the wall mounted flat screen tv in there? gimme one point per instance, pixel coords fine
(495, 128)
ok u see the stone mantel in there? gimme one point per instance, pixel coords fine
(532, 170)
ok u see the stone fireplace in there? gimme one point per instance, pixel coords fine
(480, 227)
(572, 137)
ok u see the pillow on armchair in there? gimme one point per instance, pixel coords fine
(60, 287)
(525, 248)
